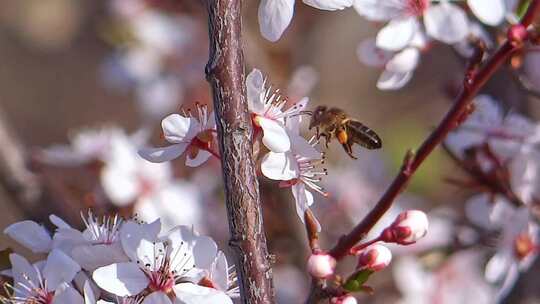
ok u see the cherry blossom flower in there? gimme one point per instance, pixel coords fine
(45, 282)
(266, 107)
(187, 134)
(162, 265)
(85, 145)
(276, 15)
(516, 251)
(97, 246)
(346, 299)
(505, 134)
(458, 280)
(296, 168)
(443, 21)
(398, 66)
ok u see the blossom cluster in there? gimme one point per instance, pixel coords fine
(117, 261)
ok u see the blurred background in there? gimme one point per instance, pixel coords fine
(69, 66)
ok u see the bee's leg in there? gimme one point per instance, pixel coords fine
(348, 148)
(327, 139)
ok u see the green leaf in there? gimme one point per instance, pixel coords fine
(522, 8)
(356, 281)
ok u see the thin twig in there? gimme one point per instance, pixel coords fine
(225, 72)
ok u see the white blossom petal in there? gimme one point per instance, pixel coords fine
(220, 271)
(446, 22)
(255, 91)
(275, 136)
(91, 257)
(279, 166)
(274, 17)
(329, 5)
(67, 295)
(188, 293)
(397, 34)
(393, 80)
(303, 199)
(59, 268)
(490, 12)
(121, 279)
(157, 297)
(31, 235)
(177, 128)
(377, 10)
(404, 61)
(131, 235)
(498, 266)
(163, 154)
(121, 186)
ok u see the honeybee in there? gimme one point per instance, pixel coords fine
(335, 122)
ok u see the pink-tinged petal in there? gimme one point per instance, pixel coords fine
(122, 279)
(91, 257)
(377, 10)
(446, 22)
(59, 268)
(369, 54)
(163, 154)
(329, 5)
(67, 295)
(274, 17)
(275, 136)
(188, 293)
(255, 91)
(393, 80)
(279, 166)
(177, 128)
(397, 34)
(490, 12)
(201, 157)
(157, 297)
(31, 235)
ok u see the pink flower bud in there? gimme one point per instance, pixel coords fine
(346, 299)
(321, 265)
(517, 33)
(376, 257)
(409, 227)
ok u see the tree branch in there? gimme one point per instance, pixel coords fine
(472, 84)
(225, 72)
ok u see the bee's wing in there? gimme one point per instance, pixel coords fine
(362, 135)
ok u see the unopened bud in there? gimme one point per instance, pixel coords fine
(376, 257)
(517, 34)
(321, 265)
(346, 299)
(409, 227)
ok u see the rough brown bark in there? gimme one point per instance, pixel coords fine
(225, 72)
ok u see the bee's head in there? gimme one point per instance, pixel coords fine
(316, 116)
